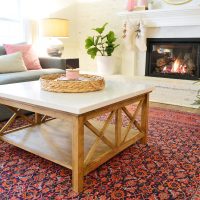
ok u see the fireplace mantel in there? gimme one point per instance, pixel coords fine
(165, 17)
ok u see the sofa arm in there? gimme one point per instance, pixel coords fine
(60, 63)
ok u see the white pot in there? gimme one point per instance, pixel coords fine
(106, 65)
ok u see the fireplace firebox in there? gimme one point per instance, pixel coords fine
(173, 58)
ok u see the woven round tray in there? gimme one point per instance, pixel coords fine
(86, 83)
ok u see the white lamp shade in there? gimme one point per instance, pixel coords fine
(55, 27)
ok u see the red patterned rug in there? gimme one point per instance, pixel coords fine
(167, 168)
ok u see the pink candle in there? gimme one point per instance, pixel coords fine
(72, 74)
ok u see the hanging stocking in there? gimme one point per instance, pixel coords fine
(140, 40)
(128, 35)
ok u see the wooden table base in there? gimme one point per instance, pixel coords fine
(81, 142)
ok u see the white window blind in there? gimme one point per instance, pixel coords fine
(11, 24)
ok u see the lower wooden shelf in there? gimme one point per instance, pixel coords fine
(52, 140)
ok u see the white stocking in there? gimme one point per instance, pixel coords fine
(140, 40)
(128, 35)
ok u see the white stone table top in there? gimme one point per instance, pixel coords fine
(117, 88)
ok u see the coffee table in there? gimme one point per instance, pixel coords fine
(74, 137)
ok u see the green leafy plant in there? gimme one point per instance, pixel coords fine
(102, 43)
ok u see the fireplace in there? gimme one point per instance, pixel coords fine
(173, 58)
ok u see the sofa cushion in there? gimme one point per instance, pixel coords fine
(29, 55)
(29, 75)
(12, 63)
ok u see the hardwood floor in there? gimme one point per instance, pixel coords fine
(173, 107)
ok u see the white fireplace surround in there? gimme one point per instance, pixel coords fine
(166, 17)
(164, 23)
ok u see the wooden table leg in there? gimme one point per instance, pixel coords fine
(144, 118)
(118, 126)
(38, 118)
(78, 154)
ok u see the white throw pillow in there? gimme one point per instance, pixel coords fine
(12, 63)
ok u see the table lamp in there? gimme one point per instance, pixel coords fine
(55, 28)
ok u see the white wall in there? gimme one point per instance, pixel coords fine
(94, 13)
(87, 14)
(34, 10)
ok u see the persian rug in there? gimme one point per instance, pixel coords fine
(168, 167)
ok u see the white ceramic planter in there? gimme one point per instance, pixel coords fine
(106, 65)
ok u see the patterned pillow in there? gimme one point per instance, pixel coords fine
(29, 55)
(12, 63)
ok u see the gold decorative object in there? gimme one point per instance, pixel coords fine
(177, 2)
(59, 83)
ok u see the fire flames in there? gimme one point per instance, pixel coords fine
(176, 67)
(175, 60)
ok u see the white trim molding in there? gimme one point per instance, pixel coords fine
(165, 17)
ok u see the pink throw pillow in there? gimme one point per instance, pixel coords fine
(29, 55)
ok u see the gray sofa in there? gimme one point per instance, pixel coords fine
(49, 65)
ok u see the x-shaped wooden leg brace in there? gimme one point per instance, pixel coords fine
(17, 112)
(100, 136)
(132, 119)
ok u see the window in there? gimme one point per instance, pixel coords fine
(11, 24)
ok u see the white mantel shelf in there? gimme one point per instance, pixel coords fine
(165, 17)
